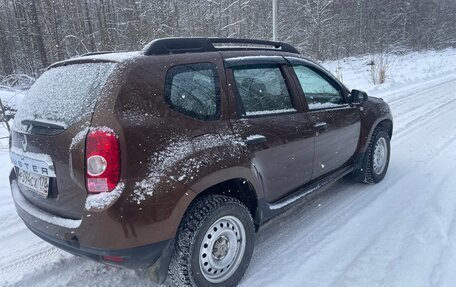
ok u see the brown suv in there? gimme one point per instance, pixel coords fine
(169, 159)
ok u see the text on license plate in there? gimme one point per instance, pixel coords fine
(37, 183)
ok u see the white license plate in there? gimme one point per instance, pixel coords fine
(37, 183)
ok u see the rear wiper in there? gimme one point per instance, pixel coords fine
(43, 124)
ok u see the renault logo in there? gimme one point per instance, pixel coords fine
(24, 144)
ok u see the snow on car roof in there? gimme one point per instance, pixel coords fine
(114, 57)
(106, 57)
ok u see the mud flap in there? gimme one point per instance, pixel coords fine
(158, 272)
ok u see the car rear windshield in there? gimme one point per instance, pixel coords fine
(63, 95)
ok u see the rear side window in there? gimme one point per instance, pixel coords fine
(194, 90)
(63, 95)
(262, 90)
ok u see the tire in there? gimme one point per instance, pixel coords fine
(378, 156)
(204, 252)
(376, 161)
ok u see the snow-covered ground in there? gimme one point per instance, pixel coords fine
(404, 70)
(400, 232)
(11, 97)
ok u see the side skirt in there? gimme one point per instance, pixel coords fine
(267, 210)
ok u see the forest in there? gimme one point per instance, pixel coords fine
(36, 33)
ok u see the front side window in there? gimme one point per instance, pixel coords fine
(194, 90)
(262, 90)
(319, 93)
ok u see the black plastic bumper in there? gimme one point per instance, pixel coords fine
(154, 257)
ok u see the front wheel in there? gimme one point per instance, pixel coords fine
(378, 156)
(376, 161)
(214, 243)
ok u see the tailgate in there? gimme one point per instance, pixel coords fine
(48, 136)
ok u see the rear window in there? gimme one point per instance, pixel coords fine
(63, 95)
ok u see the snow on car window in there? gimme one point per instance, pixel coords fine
(62, 95)
(315, 106)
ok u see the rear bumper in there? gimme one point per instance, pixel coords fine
(124, 248)
(133, 258)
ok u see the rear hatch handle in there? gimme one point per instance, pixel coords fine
(43, 124)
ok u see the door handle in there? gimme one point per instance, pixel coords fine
(321, 126)
(255, 139)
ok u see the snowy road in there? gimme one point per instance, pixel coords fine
(401, 232)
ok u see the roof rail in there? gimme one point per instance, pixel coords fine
(98, 53)
(165, 46)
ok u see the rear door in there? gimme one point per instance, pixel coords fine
(270, 119)
(337, 124)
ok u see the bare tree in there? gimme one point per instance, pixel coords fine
(5, 51)
(38, 35)
(317, 16)
(35, 33)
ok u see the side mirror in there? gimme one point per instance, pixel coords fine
(358, 97)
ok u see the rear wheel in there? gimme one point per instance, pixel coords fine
(214, 243)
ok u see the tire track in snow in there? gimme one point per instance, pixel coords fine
(307, 216)
(446, 261)
(397, 97)
(431, 222)
(78, 271)
(429, 114)
(398, 244)
(29, 263)
(416, 114)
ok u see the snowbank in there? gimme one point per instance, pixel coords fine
(403, 69)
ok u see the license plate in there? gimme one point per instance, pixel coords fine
(35, 182)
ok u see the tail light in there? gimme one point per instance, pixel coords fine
(102, 161)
